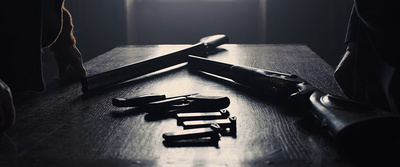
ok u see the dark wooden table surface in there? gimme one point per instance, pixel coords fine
(64, 127)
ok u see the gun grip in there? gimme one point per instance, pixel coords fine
(352, 122)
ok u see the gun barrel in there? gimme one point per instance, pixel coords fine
(209, 66)
(274, 83)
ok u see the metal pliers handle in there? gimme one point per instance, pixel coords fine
(187, 104)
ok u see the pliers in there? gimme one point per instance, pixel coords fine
(154, 104)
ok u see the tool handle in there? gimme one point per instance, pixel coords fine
(187, 104)
(201, 102)
(211, 42)
(136, 101)
(211, 131)
(144, 100)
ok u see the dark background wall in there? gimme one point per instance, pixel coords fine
(187, 21)
(319, 24)
(101, 25)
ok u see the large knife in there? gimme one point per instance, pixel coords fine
(204, 47)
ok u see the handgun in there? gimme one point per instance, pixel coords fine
(348, 121)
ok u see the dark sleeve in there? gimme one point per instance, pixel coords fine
(380, 21)
(20, 61)
(370, 71)
(352, 27)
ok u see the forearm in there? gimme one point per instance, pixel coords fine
(68, 57)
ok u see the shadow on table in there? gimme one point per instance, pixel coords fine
(127, 112)
(384, 151)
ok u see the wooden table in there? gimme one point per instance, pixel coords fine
(64, 127)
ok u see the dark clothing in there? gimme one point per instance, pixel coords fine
(370, 72)
(28, 26)
(377, 23)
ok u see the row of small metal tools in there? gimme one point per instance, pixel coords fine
(204, 118)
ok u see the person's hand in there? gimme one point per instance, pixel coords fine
(70, 65)
(7, 110)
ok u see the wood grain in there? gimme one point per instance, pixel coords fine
(64, 127)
